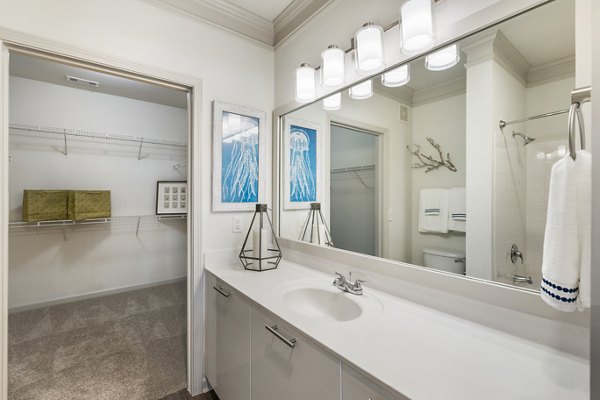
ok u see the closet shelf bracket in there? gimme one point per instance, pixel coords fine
(137, 229)
(66, 152)
(140, 150)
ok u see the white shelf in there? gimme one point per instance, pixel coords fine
(64, 133)
(130, 220)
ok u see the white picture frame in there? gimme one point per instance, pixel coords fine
(239, 157)
(171, 197)
(301, 164)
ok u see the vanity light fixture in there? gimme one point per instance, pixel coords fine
(397, 77)
(305, 83)
(333, 102)
(361, 91)
(417, 25)
(332, 67)
(443, 59)
(369, 48)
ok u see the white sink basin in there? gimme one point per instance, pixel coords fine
(320, 300)
(322, 304)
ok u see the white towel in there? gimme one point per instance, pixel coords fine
(457, 209)
(583, 169)
(561, 264)
(433, 210)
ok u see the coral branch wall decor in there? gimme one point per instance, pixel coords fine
(429, 162)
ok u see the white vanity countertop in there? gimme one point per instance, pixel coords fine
(422, 353)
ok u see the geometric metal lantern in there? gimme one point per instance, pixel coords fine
(259, 255)
(319, 231)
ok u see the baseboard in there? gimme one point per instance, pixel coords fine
(91, 295)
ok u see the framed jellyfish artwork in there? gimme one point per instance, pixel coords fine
(238, 157)
(302, 164)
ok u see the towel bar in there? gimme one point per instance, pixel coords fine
(578, 97)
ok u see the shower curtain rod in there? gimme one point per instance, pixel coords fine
(502, 123)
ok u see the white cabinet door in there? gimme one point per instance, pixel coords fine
(356, 386)
(228, 341)
(280, 372)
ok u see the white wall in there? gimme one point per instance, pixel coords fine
(98, 259)
(232, 69)
(141, 33)
(444, 121)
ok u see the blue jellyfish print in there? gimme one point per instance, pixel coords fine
(239, 159)
(303, 164)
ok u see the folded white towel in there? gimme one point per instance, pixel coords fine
(583, 169)
(433, 210)
(457, 207)
(560, 264)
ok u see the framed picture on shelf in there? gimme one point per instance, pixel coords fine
(239, 165)
(171, 197)
(301, 164)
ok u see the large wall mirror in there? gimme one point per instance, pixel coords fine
(422, 173)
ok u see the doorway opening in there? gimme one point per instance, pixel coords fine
(98, 232)
(355, 185)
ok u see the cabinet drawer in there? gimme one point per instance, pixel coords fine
(280, 371)
(357, 386)
(228, 341)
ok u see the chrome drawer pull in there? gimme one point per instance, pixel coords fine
(289, 342)
(224, 293)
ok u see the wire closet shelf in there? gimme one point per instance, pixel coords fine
(64, 133)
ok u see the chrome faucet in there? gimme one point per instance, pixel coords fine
(347, 285)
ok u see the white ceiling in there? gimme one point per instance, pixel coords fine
(545, 34)
(267, 9)
(52, 72)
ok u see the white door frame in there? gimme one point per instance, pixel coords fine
(195, 296)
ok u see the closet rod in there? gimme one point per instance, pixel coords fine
(502, 123)
(350, 169)
(94, 135)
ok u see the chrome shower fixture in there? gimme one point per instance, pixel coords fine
(526, 139)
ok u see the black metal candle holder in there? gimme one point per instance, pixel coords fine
(256, 260)
(316, 220)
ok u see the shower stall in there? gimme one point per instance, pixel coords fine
(526, 149)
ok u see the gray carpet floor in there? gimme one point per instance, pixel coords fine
(125, 346)
(185, 395)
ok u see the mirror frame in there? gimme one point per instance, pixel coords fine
(278, 119)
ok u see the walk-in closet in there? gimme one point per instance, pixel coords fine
(98, 196)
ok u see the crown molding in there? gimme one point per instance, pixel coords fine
(440, 91)
(403, 94)
(223, 14)
(495, 46)
(509, 57)
(296, 15)
(551, 71)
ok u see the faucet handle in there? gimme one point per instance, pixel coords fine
(341, 276)
(357, 283)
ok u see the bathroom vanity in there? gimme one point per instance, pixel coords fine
(289, 333)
